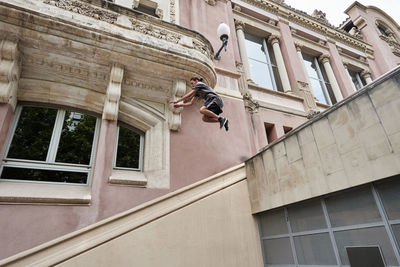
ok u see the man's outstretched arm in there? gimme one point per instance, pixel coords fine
(187, 96)
(191, 102)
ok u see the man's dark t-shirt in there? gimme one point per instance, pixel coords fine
(208, 94)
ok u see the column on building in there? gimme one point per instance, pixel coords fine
(274, 40)
(324, 59)
(366, 75)
(300, 55)
(242, 47)
(345, 65)
(298, 79)
(336, 62)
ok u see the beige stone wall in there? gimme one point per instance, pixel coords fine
(208, 223)
(354, 142)
(216, 231)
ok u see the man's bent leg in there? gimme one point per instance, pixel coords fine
(209, 119)
(208, 113)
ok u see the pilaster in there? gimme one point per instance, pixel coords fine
(324, 59)
(274, 40)
(345, 85)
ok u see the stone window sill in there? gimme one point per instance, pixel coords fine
(128, 177)
(42, 193)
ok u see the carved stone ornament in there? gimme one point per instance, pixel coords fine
(159, 13)
(10, 69)
(272, 39)
(239, 24)
(312, 113)
(365, 74)
(210, 2)
(324, 58)
(172, 16)
(250, 104)
(151, 27)
(136, 3)
(237, 8)
(320, 16)
(111, 105)
(174, 114)
(85, 9)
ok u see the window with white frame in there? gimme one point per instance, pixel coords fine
(357, 80)
(129, 149)
(50, 145)
(263, 68)
(319, 81)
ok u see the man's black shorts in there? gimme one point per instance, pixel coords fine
(214, 108)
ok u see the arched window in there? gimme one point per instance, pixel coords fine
(382, 30)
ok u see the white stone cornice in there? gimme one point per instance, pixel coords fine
(111, 104)
(289, 14)
(10, 69)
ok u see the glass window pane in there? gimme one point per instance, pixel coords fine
(44, 175)
(273, 223)
(128, 151)
(278, 251)
(396, 231)
(314, 249)
(306, 216)
(33, 133)
(331, 95)
(254, 48)
(375, 236)
(278, 82)
(310, 66)
(76, 140)
(389, 192)
(352, 207)
(259, 73)
(318, 90)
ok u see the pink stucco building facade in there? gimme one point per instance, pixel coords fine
(87, 131)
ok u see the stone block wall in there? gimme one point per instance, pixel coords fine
(356, 141)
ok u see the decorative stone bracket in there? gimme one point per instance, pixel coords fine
(10, 69)
(111, 104)
(174, 114)
(309, 102)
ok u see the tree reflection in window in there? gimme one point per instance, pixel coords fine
(33, 133)
(50, 145)
(129, 148)
(75, 144)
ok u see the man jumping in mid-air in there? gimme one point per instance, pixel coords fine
(213, 103)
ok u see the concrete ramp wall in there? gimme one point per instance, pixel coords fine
(206, 224)
(355, 142)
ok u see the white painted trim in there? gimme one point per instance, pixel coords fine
(44, 193)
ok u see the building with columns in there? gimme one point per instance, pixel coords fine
(98, 168)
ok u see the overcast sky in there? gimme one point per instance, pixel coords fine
(334, 9)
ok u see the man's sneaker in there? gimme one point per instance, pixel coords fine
(222, 122)
(226, 124)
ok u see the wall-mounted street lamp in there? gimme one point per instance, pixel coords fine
(223, 32)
